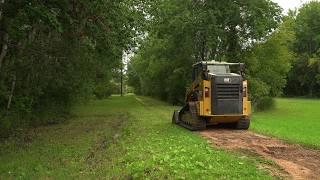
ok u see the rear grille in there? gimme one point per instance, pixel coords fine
(228, 91)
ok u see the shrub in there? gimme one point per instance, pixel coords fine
(265, 103)
(102, 91)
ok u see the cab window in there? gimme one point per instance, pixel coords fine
(219, 69)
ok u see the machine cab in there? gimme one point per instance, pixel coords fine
(205, 68)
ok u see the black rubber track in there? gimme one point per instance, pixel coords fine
(243, 124)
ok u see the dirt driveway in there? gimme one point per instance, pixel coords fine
(296, 161)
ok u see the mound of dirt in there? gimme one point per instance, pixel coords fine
(299, 162)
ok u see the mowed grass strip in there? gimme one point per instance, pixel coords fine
(157, 149)
(295, 120)
(75, 149)
(161, 150)
(120, 138)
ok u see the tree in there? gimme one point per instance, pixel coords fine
(304, 77)
(269, 63)
(54, 53)
(182, 33)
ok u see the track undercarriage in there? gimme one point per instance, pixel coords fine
(189, 119)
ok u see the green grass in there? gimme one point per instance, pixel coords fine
(120, 138)
(295, 120)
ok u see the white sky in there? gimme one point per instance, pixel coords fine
(290, 4)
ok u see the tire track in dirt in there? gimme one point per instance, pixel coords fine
(299, 162)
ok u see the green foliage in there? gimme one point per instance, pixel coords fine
(268, 64)
(265, 103)
(104, 90)
(233, 31)
(152, 74)
(61, 51)
(304, 77)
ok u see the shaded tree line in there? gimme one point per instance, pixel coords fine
(282, 53)
(234, 31)
(55, 53)
(304, 78)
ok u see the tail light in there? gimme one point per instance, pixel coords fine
(206, 92)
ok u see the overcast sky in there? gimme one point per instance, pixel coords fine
(290, 4)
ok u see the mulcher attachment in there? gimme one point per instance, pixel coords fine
(189, 119)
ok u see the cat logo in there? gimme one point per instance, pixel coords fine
(227, 80)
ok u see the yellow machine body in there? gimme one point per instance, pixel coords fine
(205, 106)
(216, 96)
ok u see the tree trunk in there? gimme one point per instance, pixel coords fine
(121, 81)
(13, 87)
(5, 36)
(1, 8)
(311, 87)
(203, 50)
(21, 46)
(4, 49)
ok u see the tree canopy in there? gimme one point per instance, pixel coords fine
(54, 53)
(304, 78)
(233, 31)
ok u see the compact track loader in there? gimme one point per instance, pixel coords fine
(216, 96)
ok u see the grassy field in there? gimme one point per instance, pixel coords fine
(296, 120)
(120, 138)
